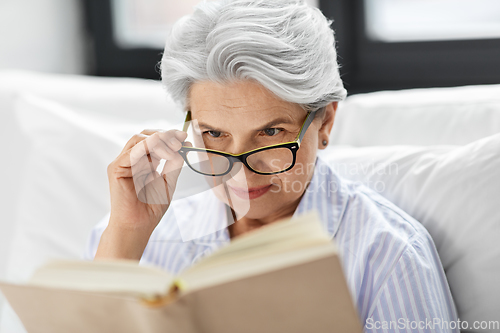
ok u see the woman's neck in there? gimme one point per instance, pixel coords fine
(246, 224)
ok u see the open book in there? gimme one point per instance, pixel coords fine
(284, 277)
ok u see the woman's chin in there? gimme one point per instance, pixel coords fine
(250, 205)
(255, 209)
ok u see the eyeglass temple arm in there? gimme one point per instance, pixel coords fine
(186, 121)
(307, 122)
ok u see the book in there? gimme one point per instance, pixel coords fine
(282, 277)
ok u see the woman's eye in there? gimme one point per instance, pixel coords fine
(214, 134)
(272, 131)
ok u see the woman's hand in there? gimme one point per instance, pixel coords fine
(140, 195)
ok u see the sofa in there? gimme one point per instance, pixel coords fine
(433, 152)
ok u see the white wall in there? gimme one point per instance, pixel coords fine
(42, 35)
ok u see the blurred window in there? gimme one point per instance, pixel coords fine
(431, 20)
(146, 23)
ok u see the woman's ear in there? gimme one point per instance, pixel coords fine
(327, 124)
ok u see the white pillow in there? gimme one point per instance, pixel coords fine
(63, 189)
(126, 99)
(454, 191)
(432, 116)
(131, 98)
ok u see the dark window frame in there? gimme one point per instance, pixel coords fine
(366, 65)
(371, 66)
(106, 57)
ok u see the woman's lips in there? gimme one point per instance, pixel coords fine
(251, 193)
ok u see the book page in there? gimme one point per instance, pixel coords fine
(270, 247)
(123, 276)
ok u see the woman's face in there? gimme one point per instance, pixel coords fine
(242, 116)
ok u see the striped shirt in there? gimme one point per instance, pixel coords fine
(389, 259)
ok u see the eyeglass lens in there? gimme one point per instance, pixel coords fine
(266, 161)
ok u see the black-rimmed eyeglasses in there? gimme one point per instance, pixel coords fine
(268, 160)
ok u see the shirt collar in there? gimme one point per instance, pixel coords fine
(326, 194)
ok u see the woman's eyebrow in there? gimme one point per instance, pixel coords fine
(277, 121)
(208, 127)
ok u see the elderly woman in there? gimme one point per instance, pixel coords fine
(261, 80)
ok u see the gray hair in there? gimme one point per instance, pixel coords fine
(285, 45)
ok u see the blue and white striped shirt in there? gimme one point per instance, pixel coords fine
(390, 262)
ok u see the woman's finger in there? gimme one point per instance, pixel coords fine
(171, 171)
(134, 141)
(173, 140)
(146, 151)
(151, 131)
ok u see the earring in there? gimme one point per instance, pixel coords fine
(325, 143)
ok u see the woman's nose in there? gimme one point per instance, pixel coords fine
(240, 173)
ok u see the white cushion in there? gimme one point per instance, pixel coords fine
(86, 105)
(134, 99)
(63, 188)
(436, 116)
(127, 99)
(454, 192)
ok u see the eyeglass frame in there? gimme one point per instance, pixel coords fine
(293, 146)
